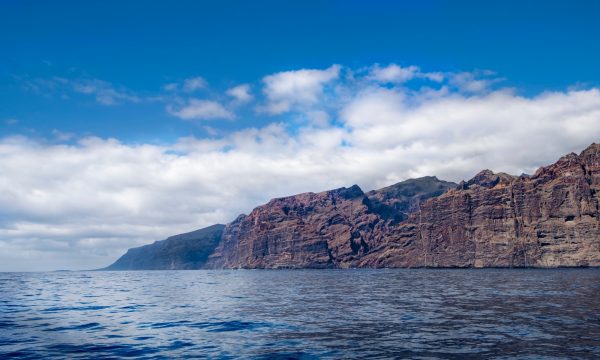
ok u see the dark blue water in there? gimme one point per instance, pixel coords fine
(428, 314)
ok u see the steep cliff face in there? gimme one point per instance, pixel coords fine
(325, 230)
(184, 251)
(549, 219)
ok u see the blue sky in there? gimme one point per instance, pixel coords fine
(124, 122)
(140, 46)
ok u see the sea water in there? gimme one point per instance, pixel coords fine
(305, 314)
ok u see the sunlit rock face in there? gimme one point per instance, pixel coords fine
(550, 219)
(332, 229)
(324, 230)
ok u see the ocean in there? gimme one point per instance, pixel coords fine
(302, 314)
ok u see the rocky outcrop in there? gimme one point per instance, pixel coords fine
(184, 251)
(549, 219)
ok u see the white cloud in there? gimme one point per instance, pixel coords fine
(105, 92)
(300, 87)
(11, 121)
(471, 82)
(394, 73)
(62, 136)
(188, 85)
(201, 109)
(397, 74)
(241, 93)
(171, 86)
(318, 118)
(193, 84)
(81, 205)
(433, 76)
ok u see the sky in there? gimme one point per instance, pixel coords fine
(124, 122)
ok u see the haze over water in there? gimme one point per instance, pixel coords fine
(433, 314)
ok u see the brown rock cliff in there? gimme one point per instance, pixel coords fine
(324, 230)
(550, 219)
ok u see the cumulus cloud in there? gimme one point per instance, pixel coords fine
(300, 87)
(241, 93)
(81, 204)
(201, 110)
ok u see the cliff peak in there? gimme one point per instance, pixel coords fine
(352, 192)
(485, 178)
(594, 147)
(591, 154)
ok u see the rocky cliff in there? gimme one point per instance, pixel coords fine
(184, 251)
(549, 219)
(332, 229)
(328, 229)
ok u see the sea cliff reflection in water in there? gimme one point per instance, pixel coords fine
(302, 314)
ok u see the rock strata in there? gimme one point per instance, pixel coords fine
(550, 219)
(324, 230)
(332, 229)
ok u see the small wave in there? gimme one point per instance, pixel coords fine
(19, 354)
(74, 308)
(118, 350)
(7, 324)
(142, 338)
(87, 326)
(225, 326)
(164, 325)
(176, 345)
(287, 355)
(214, 326)
(132, 308)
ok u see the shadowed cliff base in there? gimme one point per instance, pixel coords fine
(549, 219)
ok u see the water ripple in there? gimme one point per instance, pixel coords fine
(92, 325)
(74, 308)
